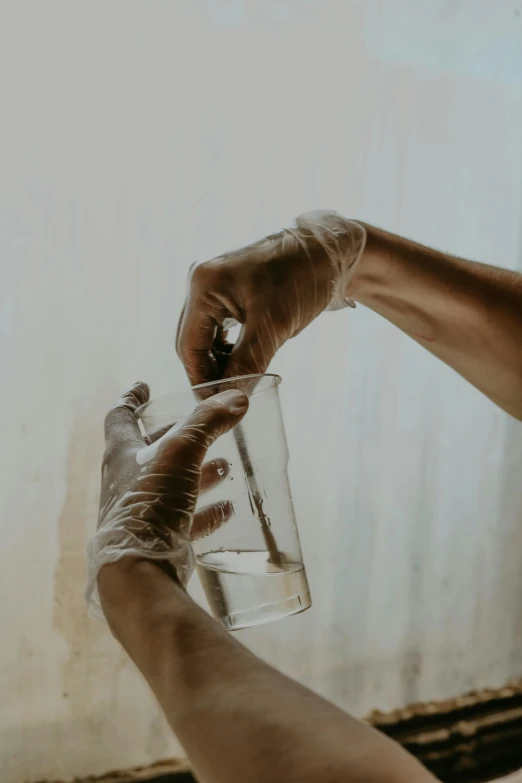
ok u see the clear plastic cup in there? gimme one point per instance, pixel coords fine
(250, 564)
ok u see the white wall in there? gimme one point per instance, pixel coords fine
(136, 137)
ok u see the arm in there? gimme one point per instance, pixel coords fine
(238, 718)
(467, 314)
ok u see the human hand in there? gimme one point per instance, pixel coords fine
(149, 490)
(274, 288)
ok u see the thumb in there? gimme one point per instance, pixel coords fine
(254, 350)
(212, 418)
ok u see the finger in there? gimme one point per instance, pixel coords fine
(191, 269)
(157, 434)
(221, 333)
(196, 337)
(188, 442)
(201, 318)
(210, 518)
(213, 473)
(180, 321)
(258, 343)
(121, 425)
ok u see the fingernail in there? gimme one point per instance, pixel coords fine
(235, 401)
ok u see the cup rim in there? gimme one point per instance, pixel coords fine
(277, 379)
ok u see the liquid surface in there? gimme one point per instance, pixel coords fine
(244, 588)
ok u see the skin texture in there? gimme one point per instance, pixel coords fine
(238, 719)
(467, 314)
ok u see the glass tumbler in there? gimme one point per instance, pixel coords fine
(249, 562)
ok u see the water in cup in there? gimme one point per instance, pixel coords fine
(244, 588)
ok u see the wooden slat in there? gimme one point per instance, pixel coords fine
(472, 738)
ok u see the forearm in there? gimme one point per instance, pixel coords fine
(238, 718)
(468, 314)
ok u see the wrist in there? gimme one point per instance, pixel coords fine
(375, 265)
(183, 653)
(134, 594)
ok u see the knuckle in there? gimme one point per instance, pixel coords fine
(209, 273)
(107, 457)
(199, 273)
(209, 411)
(194, 434)
(181, 348)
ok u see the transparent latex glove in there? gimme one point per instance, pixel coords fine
(149, 490)
(274, 288)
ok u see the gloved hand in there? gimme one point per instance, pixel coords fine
(149, 491)
(274, 288)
